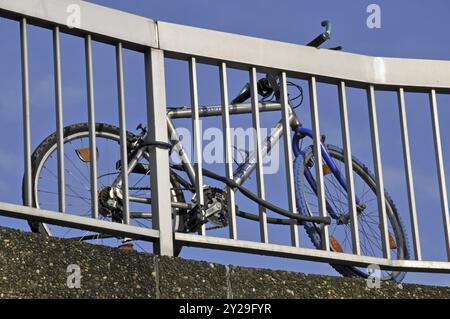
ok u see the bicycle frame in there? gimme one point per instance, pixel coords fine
(244, 169)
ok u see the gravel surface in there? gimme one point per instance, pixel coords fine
(262, 283)
(35, 266)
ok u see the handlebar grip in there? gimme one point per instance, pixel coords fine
(326, 35)
(317, 41)
(243, 95)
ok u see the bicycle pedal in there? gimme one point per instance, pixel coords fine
(195, 219)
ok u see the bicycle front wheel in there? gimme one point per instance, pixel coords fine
(340, 229)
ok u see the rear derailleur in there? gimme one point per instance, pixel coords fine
(110, 203)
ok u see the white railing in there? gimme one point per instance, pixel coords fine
(161, 40)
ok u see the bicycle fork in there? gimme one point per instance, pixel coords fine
(303, 132)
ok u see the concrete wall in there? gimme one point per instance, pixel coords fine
(34, 266)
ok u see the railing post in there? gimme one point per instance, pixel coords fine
(318, 158)
(227, 147)
(59, 119)
(440, 169)
(409, 174)
(258, 146)
(92, 127)
(26, 112)
(123, 133)
(196, 127)
(159, 157)
(378, 172)
(351, 198)
(288, 160)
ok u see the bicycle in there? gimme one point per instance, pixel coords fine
(189, 216)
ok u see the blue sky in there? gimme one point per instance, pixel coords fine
(409, 29)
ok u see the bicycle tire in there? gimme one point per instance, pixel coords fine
(49, 145)
(364, 172)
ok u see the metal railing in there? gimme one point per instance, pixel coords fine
(161, 40)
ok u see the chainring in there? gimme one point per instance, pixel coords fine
(213, 196)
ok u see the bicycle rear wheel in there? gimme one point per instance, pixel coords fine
(340, 228)
(77, 183)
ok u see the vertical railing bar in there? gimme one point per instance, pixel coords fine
(59, 119)
(155, 86)
(91, 124)
(318, 158)
(440, 169)
(257, 145)
(123, 133)
(197, 137)
(26, 112)
(286, 116)
(351, 198)
(228, 149)
(378, 172)
(408, 173)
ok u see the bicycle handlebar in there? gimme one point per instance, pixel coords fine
(267, 85)
(321, 38)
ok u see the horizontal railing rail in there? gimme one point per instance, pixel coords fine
(159, 41)
(112, 26)
(302, 61)
(102, 23)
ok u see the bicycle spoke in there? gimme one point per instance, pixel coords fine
(368, 215)
(68, 195)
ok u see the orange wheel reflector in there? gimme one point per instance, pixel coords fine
(84, 154)
(126, 247)
(326, 169)
(392, 242)
(335, 245)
